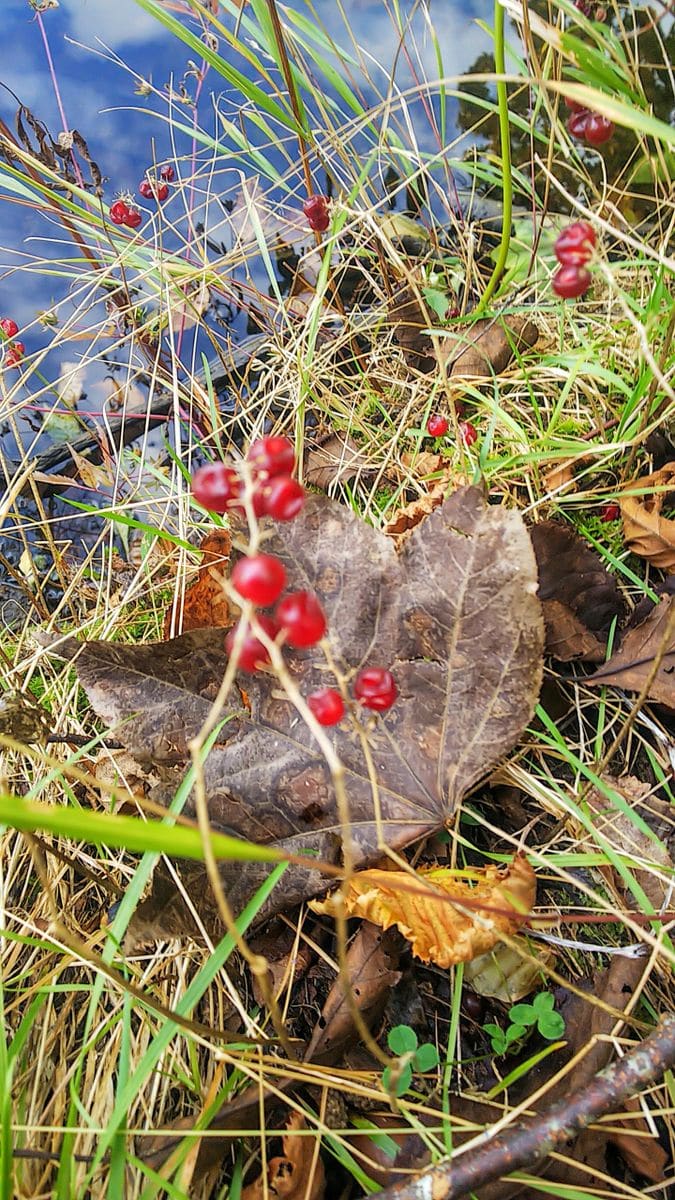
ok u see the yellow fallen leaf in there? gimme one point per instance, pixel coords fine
(507, 975)
(446, 919)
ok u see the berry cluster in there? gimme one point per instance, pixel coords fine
(15, 350)
(153, 189)
(573, 249)
(274, 492)
(261, 578)
(587, 126)
(122, 213)
(438, 425)
(315, 209)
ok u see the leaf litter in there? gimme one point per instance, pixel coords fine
(457, 617)
(399, 607)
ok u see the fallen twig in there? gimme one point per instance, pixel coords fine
(530, 1142)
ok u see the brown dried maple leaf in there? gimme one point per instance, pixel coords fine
(579, 597)
(633, 664)
(455, 617)
(205, 603)
(646, 531)
(298, 1174)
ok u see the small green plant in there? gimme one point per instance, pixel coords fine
(402, 1042)
(539, 1013)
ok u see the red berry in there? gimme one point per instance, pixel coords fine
(576, 125)
(260, 578)
(375, 688)
(574, 246)
(468, 433)
(327, 706)
(14, 354)
(315, 209)
(273, 455)
(437, 425)
(598, 129)
(302, 618)
(119, 212)
(145, 189)
(570, 282)
(216, 486)
(253, 653)
(284, 498)
(161, 192)
(610, 512)
(574, 106)
(167, 172)
(133, 218)
(9, 327)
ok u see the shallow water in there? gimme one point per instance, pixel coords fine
(81, 65)
(109, 69)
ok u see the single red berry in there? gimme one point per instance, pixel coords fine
(216, 486)
(283, 498)
(598, 129)
(119, 212)
(576, 125)
(161, 192)
(315, 209)
(145, 189)
(133, 218)
(574, 246)
(375, 688)
(260, 578)
(570, 282)
(167, 172)
(468, 433)
(9, 327)
(253, 653)
(273, 455)
(437, 425)
(14, 354)
(574, 106)
(327, 706)
(610, 512)
(302, 618)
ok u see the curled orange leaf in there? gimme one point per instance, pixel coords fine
(446, 919)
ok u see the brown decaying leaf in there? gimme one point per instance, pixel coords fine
(298, 1174)
(288, 958)
(481, 349)
(446, 919)
(580, 598)
(632, 664)
(22, 718)
(205, 603)
(455, 617)
(406, 519)
(335, 460)
(647, 533)
(588, 1025)
(371, 970)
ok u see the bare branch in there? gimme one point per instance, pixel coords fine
(531, 1141)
